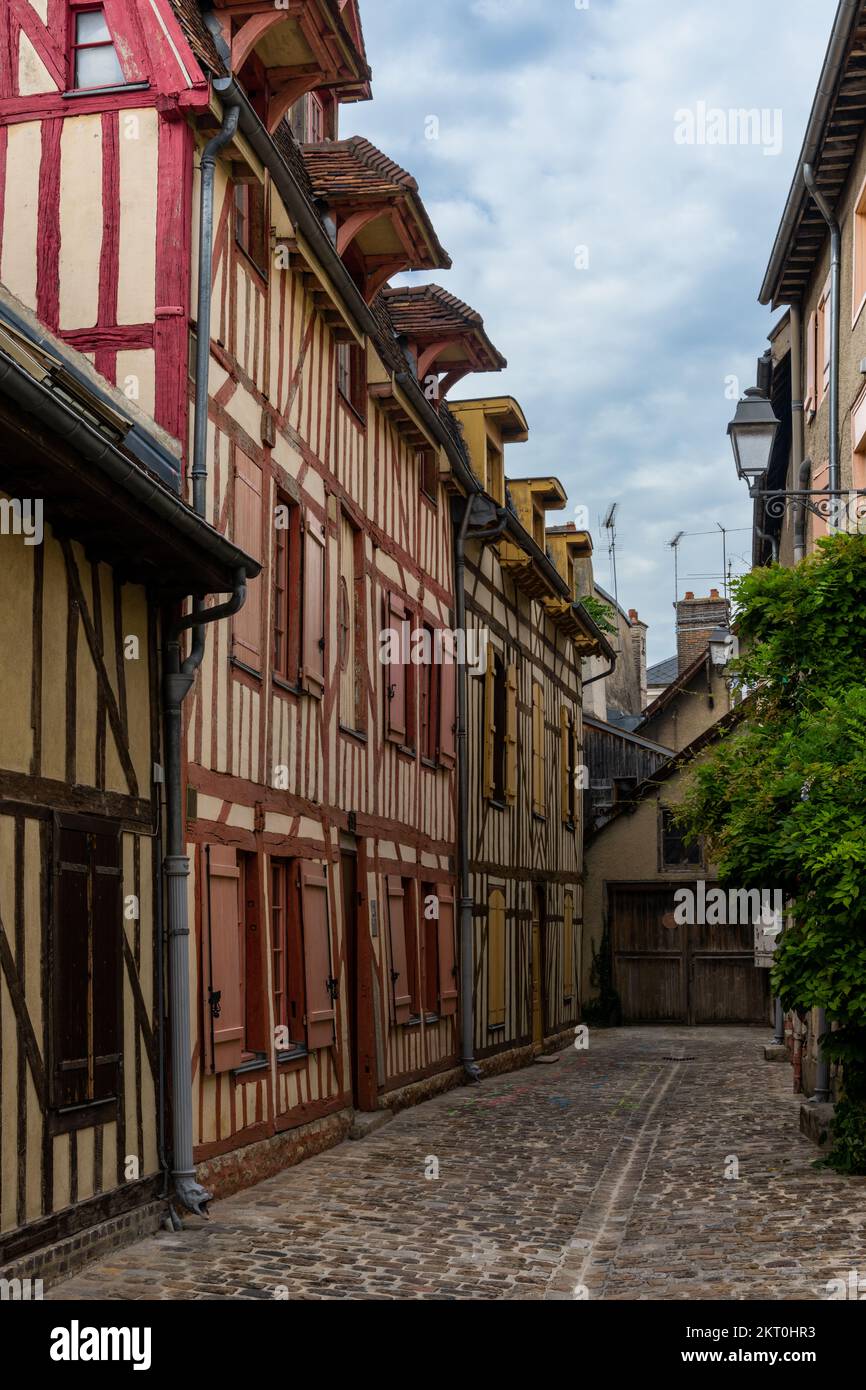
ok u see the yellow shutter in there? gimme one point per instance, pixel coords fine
(568, 948)
(538, 805)
(496, 960)
(564, 750)
(489, 724)
(577, 764)
(511, 735)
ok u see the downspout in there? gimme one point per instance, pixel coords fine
(178, 681)
(835, 320)
(804, 475)
(467, 953)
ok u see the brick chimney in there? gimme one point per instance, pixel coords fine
(697, 618)
(638, 648)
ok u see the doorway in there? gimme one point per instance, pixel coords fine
(537, 966)
(359, 990)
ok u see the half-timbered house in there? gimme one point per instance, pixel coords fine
(179, 205)
(96, 547)
(524, 824)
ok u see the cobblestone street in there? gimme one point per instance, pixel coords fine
(604, 1170)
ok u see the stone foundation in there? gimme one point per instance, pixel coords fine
(233, 1171)
(66, 1257)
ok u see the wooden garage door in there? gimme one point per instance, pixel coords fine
(665, 973)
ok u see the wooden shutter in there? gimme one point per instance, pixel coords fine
(400, 991)
(564, 763)
(568, 947)
(318, 969)
(489, 722)
(811, 339)
(511, 735)
(86, 968)
(223, 960)
(395, 691)
(496, 960)
(448, 710)
(827, 319)
(313, 631)
(538, 749)
(247, 628)
(447, 955)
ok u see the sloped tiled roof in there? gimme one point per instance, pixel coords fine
(430, 312)
(663, 673)
(354, 171)
(197, 34)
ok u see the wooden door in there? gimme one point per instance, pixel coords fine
(537, 968)
(359, 981)
(348, 868)
(670, 973)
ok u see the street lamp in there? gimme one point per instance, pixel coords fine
(723, 647)
(752, 432)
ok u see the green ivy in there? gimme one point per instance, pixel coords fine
(780, 798)
(601, 613)
(605, 1010)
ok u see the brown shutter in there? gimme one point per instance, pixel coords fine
(538, 750)
(222, 960)
(400, 989)
(568, 947)
(86, 980)
(447, 957)
(313, 632)
(395, 693)
(448, 711)
(318, 969)
(247, 628)
(511, 735)
(564, 761)
(489, 722)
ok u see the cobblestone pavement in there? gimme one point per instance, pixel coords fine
(606, 1170)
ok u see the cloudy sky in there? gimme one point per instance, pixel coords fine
(616, 265)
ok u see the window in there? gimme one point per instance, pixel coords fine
(430, 954)
(401, 985)
(250, 223)
(413, 963)
(352, 377)
(496, 960)
(428, 700)
(495, 745)
(568, 766)
(287, 580)
(495, 474)
(247, 532)
(288, 954)
(428, 473)
(94, 60)
(539, 802)
(676, 852)
(86, 1037)
(350, 635)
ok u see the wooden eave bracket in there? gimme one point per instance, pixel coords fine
(327, 301)
(394, 402)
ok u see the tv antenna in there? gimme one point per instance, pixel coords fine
(609, 525)
(675, 547)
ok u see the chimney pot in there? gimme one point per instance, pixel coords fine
(632, 613)
(714, 593)
(689, 594)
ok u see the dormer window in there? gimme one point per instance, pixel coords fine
(93, 58)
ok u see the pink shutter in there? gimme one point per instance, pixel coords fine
(811, 335)
(448, 712)
(395, 694)
(313, 634)
(247, 629)
(397, 932)
(447, 958)
(222, 960)
(317, 955)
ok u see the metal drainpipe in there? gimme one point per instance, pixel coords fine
(467, 954)
(179, 677)
(804, 475)
(178, 681)
(835, 319)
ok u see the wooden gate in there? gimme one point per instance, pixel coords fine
(669, 973)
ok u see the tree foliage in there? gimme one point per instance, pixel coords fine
(780, 799)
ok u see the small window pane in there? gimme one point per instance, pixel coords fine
(91, 27)
(98, 67)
